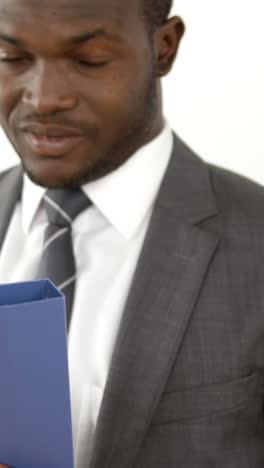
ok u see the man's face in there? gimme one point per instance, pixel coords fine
(78, 91)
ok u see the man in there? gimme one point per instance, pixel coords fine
(166, 333)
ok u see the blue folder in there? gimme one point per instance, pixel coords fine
(35, 415)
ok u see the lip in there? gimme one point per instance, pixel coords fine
(52, 145)
(50, 130)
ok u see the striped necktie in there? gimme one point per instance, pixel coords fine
(57, 262)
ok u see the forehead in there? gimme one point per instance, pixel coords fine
(118, 13)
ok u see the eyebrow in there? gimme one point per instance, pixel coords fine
(79, 39)
(87, 36)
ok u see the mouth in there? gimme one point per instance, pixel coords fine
(52, 145)
(51, 139)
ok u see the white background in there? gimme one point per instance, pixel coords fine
(214, 97)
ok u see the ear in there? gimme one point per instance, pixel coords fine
(167, 42)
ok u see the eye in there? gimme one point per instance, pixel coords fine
(92, 63)
(13, 60)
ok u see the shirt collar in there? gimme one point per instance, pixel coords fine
(125, 195)
(32, 195)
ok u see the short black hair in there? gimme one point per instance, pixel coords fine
(156, 12)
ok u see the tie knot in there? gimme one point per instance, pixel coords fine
(64, 205)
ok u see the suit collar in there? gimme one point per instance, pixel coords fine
(170, 273)
(10, 193)
(186, 192)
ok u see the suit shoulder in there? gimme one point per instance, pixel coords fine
(236, 195)
(14, 172)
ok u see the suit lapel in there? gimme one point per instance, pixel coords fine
(172, 266)
(10, 191)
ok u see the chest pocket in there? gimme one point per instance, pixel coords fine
(201, 402)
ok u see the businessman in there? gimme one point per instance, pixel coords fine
(160, 255)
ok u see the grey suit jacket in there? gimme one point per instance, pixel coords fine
(186, 382)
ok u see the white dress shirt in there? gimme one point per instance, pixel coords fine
(107, 240)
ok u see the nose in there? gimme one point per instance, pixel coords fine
(47, 89)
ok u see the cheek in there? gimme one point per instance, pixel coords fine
(115, 97)
(119, 87)
(6, 98)
(9, 98)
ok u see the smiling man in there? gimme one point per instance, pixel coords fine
(159, 255)
(79, 91)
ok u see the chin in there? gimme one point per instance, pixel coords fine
(62, 172)
(46, 176)
(46, 182)
(57, 176)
